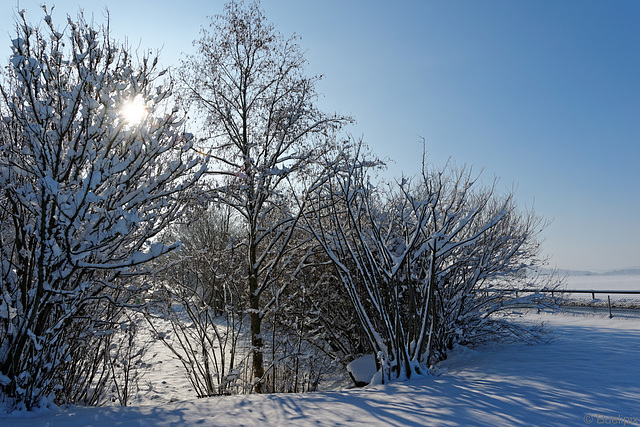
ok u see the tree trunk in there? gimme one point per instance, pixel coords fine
(256, 323)
(256, 339)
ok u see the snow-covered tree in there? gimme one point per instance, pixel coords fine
(94, 163)
(414, 258)
(248, 88)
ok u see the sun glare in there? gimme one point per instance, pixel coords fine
(134, 111)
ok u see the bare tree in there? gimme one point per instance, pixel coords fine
(263, 130)
(85, 191)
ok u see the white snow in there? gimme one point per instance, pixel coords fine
(587, 372)
(605, 282)
(363, 368)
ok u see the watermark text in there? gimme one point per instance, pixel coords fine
(611, 419)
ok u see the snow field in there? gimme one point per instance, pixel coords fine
(630, 282)
(605, 282)
(587, 371)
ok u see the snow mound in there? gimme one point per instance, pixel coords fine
(362, 369)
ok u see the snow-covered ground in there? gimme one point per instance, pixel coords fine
(604, 283)
(588, 372)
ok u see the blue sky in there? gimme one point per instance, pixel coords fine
(544, 95)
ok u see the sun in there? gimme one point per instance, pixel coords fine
(134, 111)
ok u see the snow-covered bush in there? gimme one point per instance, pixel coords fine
(420, 259)
(84, 190)
(198, 309)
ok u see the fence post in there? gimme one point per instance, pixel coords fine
(610, 315)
